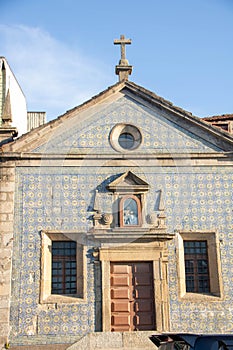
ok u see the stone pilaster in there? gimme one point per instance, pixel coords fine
(7, 187)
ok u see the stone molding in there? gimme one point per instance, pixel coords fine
(158, 254)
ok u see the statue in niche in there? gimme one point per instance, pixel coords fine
(130, 212)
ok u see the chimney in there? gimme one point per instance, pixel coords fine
(35, 119)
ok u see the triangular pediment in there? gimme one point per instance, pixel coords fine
(86, 129)
(128, 183)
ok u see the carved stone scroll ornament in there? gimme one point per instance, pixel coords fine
(101, 220)
(158, 220)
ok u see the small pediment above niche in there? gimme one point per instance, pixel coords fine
(128, 183)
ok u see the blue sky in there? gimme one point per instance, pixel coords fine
(62, 51)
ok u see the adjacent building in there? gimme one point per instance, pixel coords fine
(13, 106)
(225, 122)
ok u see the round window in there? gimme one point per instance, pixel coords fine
(125, 137)
(126, 140)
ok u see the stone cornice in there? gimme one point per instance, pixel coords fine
(122, 235)
(106, 160)
(28, 155)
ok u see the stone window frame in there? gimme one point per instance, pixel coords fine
(46, 270)
(123, 128)
(215, 275)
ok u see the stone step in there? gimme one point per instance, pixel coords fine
(40, 347)
(115, 341)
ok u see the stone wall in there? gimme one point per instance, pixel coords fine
(7, 188)
(196, 199)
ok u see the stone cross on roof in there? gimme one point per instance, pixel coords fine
(123, 69)
(122, 41)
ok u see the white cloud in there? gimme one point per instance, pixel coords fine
(53, 77)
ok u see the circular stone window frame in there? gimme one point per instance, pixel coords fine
(124, 128)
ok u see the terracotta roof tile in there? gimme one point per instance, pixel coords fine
(219, 117)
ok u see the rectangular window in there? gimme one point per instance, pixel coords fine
(64, 269)
(197, 276)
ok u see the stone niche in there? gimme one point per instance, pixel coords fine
(127, 212)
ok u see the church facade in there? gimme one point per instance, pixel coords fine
(116, 217)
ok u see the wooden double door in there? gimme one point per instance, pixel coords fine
(132, 296)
